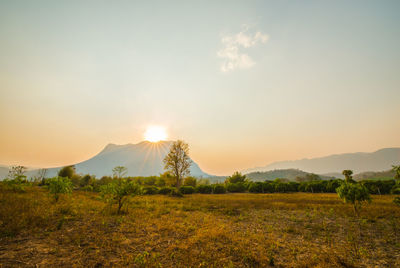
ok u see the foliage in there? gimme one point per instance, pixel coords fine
(187, 189)
(149, 190)
(59, 185)
(354, 194)
(190, 181)
(204, 189)
(396, 169)
(175, 192)
(238, 187)
(67, 172)
(17, 174)
(165, 190)
(219, 189)
(348, 175)
(118, 192)
(236, 177)
(256, 187)
(396, 200)
(177, 161)
(395, 190)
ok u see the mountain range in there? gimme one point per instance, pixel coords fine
(333, 165)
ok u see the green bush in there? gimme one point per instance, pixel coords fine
(175, 193)
(354, 194)
(149, 190)
(237, 187)
(204, 189)
(268, 187)
(60, 185)
(219, 189)
(187, 189)
(118, 191)
(165, 190)
(88, 188)
(396, 200)
(395, 190)
(256, 187)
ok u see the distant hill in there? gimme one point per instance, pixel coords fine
(289, 174)
(358, 162)
(370, 175)
(142, 159)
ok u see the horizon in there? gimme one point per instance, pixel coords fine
(259, 83)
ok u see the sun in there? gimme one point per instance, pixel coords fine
(155, 134)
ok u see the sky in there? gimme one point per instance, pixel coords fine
(244, 83)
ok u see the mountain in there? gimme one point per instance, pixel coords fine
(358, 162)
(290, 174)
(142, 159)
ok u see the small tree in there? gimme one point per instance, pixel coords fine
(353, 193)
(60, 185)
(119, 172)
(67, 172)
(118, 191)
(236, 177)
(17, 174)
(177, 161)
(348, 175)
(397, 175)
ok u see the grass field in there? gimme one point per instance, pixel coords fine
(228, 230)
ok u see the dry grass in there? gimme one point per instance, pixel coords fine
(231, 230)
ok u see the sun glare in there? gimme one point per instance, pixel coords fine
(155, 134)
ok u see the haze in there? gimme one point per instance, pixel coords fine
(245, 83)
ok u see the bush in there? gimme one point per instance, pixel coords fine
(118, 191)
(165, 190)
(60, 185)
(187, 189)
(204, 189)
(219, 189)
(88, 188)
(354, 194)
(395, 190)
(238, 187)
(149, 190)
(268, 187)
(175, 193)
(332, 185)
(396, 200)
(256, 187)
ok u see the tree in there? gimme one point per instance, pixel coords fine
(67, 172)
(354, 193)
(119, 172)
(178, 162)
(40, 176)
(60, 185)
(17, 174)
(347, 174)
(118, 191)
(236, 177)
(397, 175)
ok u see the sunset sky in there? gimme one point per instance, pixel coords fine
(245, 83)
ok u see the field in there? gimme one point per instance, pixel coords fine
(227, 230)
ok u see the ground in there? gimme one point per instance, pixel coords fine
(228, 230)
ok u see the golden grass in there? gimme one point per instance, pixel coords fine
(231, 230)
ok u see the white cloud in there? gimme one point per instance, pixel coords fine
(232, 52)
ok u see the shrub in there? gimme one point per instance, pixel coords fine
(149, 190)
(395, 190)
(88, 188)
(268, 187)
(190, 181)
(204, 189)
(60, 185)
(118, 191)
(332, 185)
(256, 187)
(175, 193)
(354, 194)
(219, 189)
(238, 187)
(187, 189)
(165, 190)
(396, 200)
(236, 178)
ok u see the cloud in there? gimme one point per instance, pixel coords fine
(232, 52)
